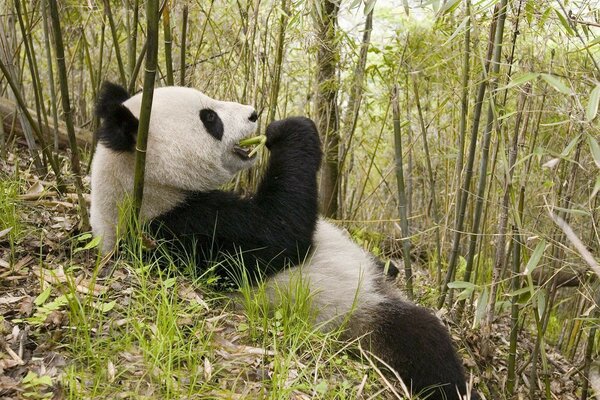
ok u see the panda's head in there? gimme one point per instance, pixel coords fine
(191, 140)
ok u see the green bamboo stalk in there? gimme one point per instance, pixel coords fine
(32, 64)
(485, 148)
(10, 56)
(464, 103)
(68, 112)
(132, 37)
(326, 108)
(168, 39)
(402, 206)
(436, 217)
(353, 108)
(115, 38)
(34, 126)
(136, 70)
(589, 352)
(146, 106)
(53, 101)
(280, 45)
(464, 190)
(515, 283)
(184, 23)
(500, 255)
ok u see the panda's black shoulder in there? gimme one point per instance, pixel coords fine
(118, 128)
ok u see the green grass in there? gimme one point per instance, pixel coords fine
(9, 217)
(166, 334)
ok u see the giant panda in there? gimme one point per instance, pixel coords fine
(192, 150)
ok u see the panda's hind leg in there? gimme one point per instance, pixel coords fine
(412, 341)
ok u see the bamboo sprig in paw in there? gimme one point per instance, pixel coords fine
(258, 141)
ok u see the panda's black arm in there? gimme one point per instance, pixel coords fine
(270, 230)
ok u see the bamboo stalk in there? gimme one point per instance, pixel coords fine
(136, 70)
(436, 218)
(182, 55)
(68, 113)
(146, 106)
(485, 148)
(31, 62)
(132, 37)
(8, 56)
(464, 190)
(53, 100)
(280, 45)
(354, 101)
(402, 204)
(168, 39)
(115, 38)
(31, 123)
(515, 283)
(500, 255)
(464, 104)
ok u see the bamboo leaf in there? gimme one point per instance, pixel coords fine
(564, 22)
(594, 149)
(520, 79)
(592, 109)
(461, 285)
(481, 307)
(541, 301)
(556, 83)
(565, 153)
(596, 188)
(518, 292)
(535, 257)
(573, 211)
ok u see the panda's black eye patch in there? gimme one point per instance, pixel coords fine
(212, 123)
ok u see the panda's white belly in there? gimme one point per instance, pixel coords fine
(340, 275)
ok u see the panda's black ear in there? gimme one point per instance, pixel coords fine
(119, 126)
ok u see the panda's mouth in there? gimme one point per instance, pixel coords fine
(244, 153)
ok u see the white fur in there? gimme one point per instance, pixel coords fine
(181, 155)
(341, 276)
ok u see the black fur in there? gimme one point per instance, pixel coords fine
(416, 344)
(272, 229)
(212, 122)
(118, 129)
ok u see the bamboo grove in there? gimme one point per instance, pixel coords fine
(461, 136)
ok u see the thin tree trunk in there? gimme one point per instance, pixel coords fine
(326, 110)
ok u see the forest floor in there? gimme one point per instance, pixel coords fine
(73, 325)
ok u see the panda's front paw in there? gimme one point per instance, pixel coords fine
(293, 129)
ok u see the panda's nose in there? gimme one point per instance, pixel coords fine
(253, 117)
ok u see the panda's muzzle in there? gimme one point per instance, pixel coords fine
(243, 153)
